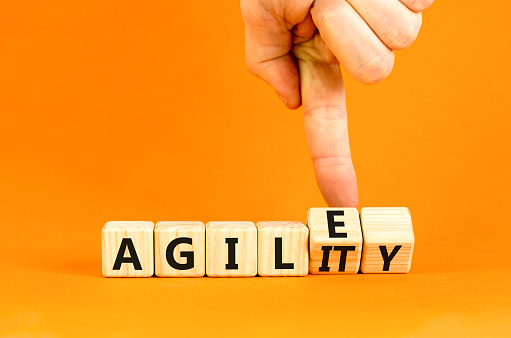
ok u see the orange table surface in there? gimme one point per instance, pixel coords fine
(65, 295)
(130, 110)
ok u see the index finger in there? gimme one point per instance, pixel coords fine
(326, 130)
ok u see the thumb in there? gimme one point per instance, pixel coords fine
(326, 130)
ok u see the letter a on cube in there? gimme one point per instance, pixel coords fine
(282, 249)
(180, 249)
(388, 240)
(231, 249)
(335, 240)
(128, 249)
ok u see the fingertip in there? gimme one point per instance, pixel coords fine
(350, 201)
(338, 185)
(295, 106)
(294, 102)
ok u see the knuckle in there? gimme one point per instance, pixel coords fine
(326, 113)
(420, 5)
(375, 69)
(406, 32)
(255, 13)
(322, 16)
(323, 161)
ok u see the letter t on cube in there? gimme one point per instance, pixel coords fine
(335, 240)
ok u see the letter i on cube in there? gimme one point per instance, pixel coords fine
(335, 240)
(231, 249)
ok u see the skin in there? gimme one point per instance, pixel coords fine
(298, 46)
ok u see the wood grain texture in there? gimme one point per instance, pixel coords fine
(320, 237)
(138, 233)
(165, 233)
(217, 254)
(294, 243)
(386, 229)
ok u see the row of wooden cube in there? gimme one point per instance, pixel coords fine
(334, 241)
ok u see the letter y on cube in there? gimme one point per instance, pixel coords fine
(388, 240)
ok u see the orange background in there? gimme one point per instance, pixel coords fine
(133, 110)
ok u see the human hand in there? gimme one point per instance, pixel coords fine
(297, 46)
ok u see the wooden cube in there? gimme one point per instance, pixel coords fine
(388, 240)
(335, 240)
(283, 249)
(128, 249)
(231, 249)
(180, 249)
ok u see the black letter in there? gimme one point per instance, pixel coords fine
(278, 256)
(187, 254)
(133, 258)
(332, 224)
(326, 255)
(344, 253)
(386, 257)
(231, 254)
